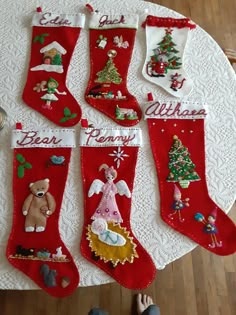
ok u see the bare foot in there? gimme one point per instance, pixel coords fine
(143, 301)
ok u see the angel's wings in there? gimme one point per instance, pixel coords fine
(123, 189)
(96, 187)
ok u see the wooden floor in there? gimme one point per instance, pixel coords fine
(200, 283)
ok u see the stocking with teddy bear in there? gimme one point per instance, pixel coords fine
(40, 168)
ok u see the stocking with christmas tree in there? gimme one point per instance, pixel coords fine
(165, 41)
(54, 38)
(176, 131)
(40, 168)
(107, 239)
(111, 45)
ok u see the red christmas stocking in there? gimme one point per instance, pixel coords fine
(176, 131)
(166, 39)
(53, 40)
(111, 45)
(107, 239)
(40, 168)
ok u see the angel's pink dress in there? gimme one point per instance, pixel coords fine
(107, 208)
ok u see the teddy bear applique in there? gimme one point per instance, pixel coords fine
(38, 206)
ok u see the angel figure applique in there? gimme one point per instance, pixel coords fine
(107, 208)
(108, 240)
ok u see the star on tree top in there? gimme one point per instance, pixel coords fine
(169, 30)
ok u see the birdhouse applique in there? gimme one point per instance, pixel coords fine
(52, 58)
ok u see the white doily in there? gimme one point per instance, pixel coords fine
(214, 82)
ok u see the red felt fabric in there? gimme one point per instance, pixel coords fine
(140, 273)
(50, 238)
(67, 38)
(98, 60)
(191, 133)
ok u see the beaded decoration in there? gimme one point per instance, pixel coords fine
(180, 165)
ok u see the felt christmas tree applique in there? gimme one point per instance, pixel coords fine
(105, 233)
(165, 41)
(181, 167)
(109, 73)
(164, 57)
(106, 77)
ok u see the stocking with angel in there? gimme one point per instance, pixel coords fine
(107, 239)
